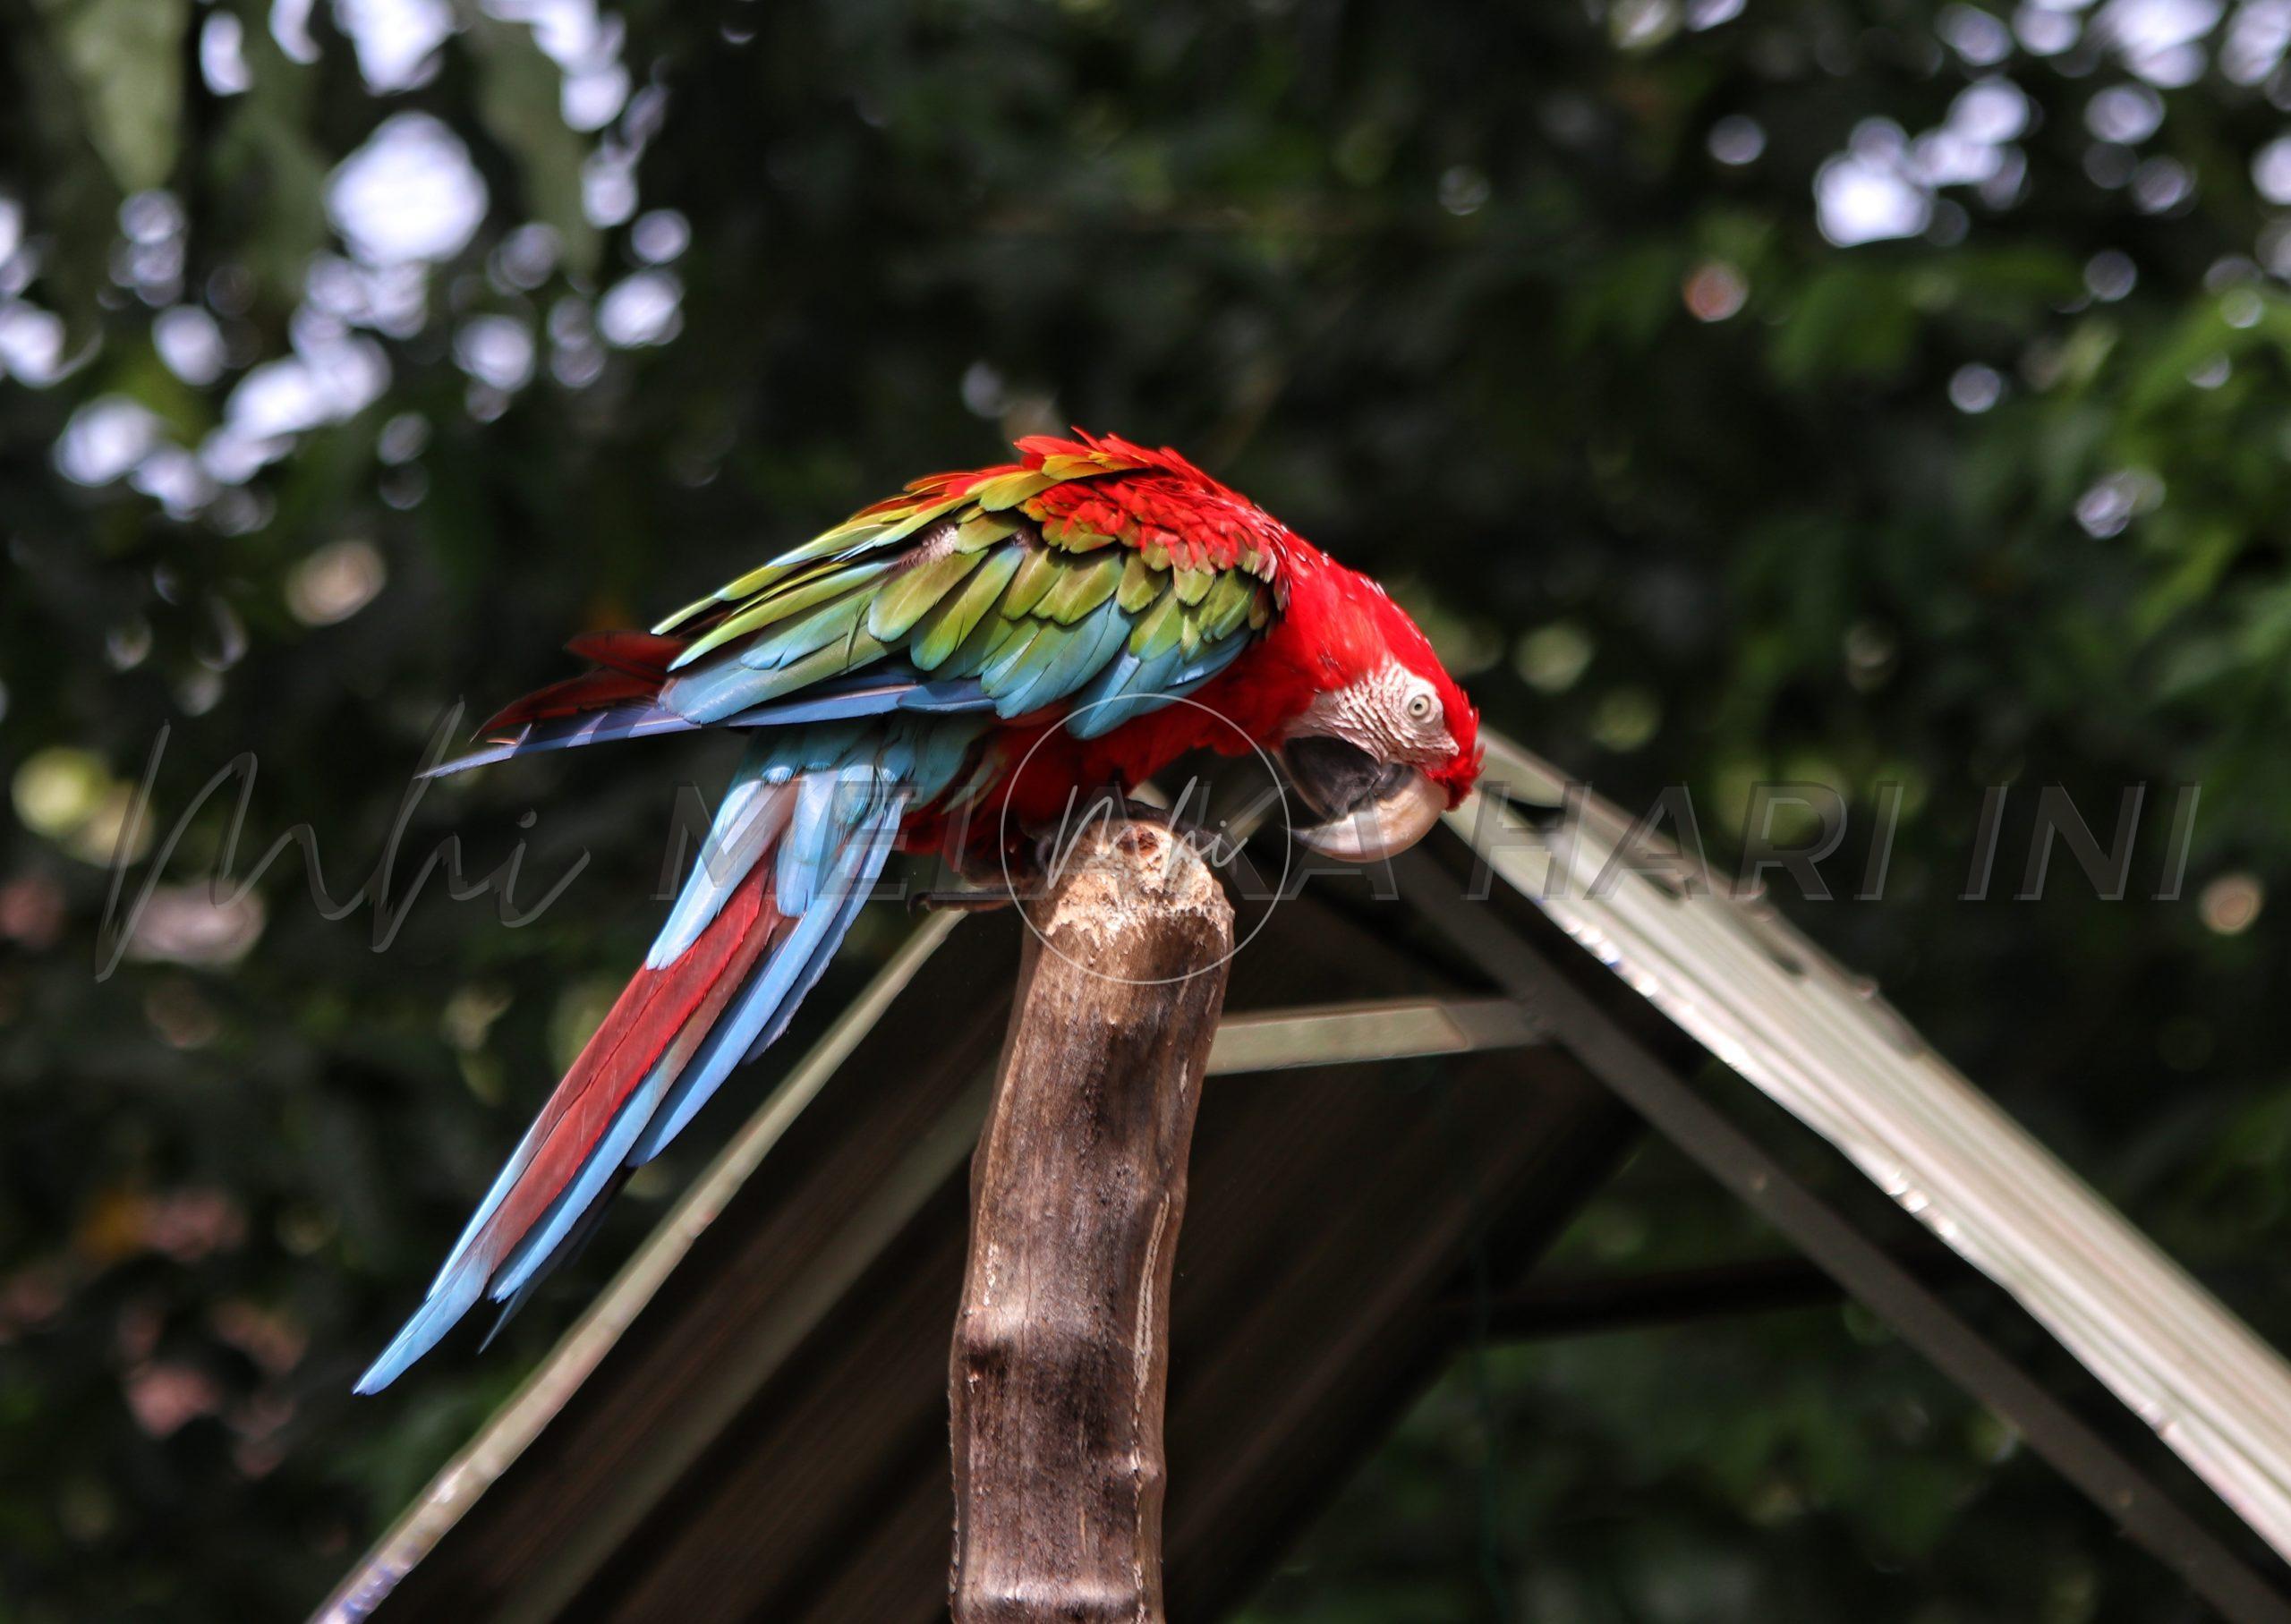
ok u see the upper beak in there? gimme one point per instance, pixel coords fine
(1369, 810)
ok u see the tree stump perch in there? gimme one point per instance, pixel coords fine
(1059, 1366)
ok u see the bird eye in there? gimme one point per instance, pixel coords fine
(1419, 708)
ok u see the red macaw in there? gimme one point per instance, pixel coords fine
(949, 665)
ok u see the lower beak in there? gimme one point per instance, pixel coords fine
(1369, 810)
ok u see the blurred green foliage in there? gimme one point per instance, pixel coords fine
(1855, 392)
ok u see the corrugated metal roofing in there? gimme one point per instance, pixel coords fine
(1763, 998)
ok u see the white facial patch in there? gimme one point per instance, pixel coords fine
(1392, 713)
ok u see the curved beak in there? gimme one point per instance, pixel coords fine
(1369, 810)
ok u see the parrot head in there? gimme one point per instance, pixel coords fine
(1388, 741)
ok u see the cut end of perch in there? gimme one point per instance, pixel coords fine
(1126, 875)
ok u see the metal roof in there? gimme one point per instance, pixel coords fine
(1823, 1044)
(750, 1418)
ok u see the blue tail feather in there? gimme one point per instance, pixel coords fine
(603, 1162)
(582, 1232)
(760, 1012)
(437, 1314)
(754, 813)
(853, 783)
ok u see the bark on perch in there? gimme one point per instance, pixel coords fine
(1060, 1367)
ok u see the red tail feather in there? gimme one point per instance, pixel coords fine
(631, 668)
(635, 653)
(664, 1012)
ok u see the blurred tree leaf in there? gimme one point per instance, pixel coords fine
(268, 174)
(124, 60)
(1851, 321)
(517, 98)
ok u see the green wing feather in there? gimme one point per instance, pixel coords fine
(1141, 584)
(1082, 588)
(1036, 575)
(947, 624)
(913, 593)
(973, 585)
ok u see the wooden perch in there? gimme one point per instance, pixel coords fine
(1061, 1359)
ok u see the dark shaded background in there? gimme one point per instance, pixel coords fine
(1857, 393)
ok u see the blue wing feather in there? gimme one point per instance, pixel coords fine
(1130, 687)
(1075, 657)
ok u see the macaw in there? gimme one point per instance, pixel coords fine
(945, 667)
